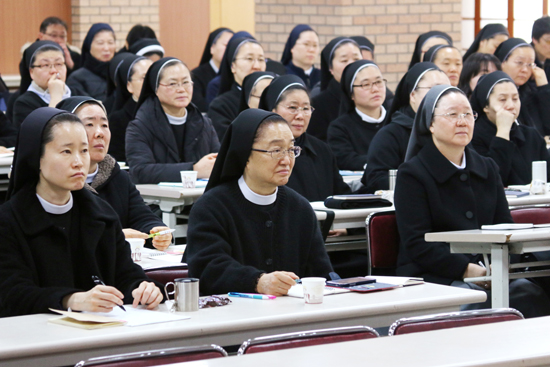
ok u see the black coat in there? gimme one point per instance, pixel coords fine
(231, 241)
(349, 138)
(535, 106)
(84, 82)
(432, 195)
(327, 108)
(224, 109)
(8, 133)
(387, 151)
(40, 265)
(310, 80)
(24, 105)
(151, 148)
(315, 175)
(118, 123)
(201, 75)
(115, 187)
(514, 157)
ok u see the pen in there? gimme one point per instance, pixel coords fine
(98, 281)
(161, 233)
(481, 264)
(251, 295)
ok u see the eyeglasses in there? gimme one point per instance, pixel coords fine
(279, 154)
(293, 110)
(252, 60)
(521, 64)
(56, 66)
(187, 85)
(57, 36)
(369, 86)
(455, 117)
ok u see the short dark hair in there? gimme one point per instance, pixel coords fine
(138, 32)
(45, 49)
(540, 27)
(472, 66)
(47, 134)
(52, 20)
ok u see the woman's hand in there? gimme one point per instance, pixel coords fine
(474, 271)
(337, 232)
(101, 298)
(277, 283)
(504, 121)
(204, 165)
(147, 294)
(56, 87)
(132, 233)
(539, 75)
(4, 150)
(161, 242)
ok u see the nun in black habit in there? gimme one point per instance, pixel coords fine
(234, 68)
(315, 175)
(488, 39)
(209, 65)
(158, 144)
(131, 70)
(327, 103)
(36, 90)
(425, 41)
(305, 55)
(444, 185)
(389, 146)
(249, 232)
(514, 54)
(106, 179)
(91, 78)
(55, 236)
(253, 86)
(498, 135)
(350, 135)
(148, 47)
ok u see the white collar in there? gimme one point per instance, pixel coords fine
(256, 198)
(45, 94)
(216, 69)
(173, 120)
(56, 209)
(463, 165)
(369, 119)
(91, 176)
(308, 71)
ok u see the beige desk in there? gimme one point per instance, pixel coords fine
(346, 218)
(31, 341)
(529, 200)
(513, 343)
(5, 165)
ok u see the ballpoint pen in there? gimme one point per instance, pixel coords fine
(98, 281)
(251, 295)
(161, 233)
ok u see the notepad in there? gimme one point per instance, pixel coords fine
(141, 316)
(85, 320)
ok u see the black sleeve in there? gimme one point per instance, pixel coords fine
(118, 125)
(8, 133)
(383, 156)
(220, 112)
(21, 109)
(199, 91)
(340, 186)
(340, 143)
(76, 84)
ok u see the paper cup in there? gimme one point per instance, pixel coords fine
(188, 179)
(136, 244)
(314, 289)
(538, 185)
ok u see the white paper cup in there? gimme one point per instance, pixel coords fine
(188, 179)
(314, 289)
(538, 185)
(136, 244)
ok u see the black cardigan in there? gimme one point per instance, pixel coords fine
(24, 105)
(201, 75)
(514, 157)
(327, 108)
(432, 195)
(387, 151)
(8, 133)
(535, 106)
(315, 175)
(84, 82)
(231, 241)
(118, 123)
(151, 148)
(37, 268)
(349, 138)
(224, 109)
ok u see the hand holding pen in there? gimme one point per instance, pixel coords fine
(101, 298)
(98, 281)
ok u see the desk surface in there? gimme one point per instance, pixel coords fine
(5, 165)
(512, 343)
(490, 236)
(32, 341)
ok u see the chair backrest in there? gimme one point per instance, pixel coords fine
(531, 214)
(166, 275)
(306, 338)
(156, 357)
(452, 320)
(382, 241)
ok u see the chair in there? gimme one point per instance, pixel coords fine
(165, 275)
(452, 320)
(382, 242)
(156, 357)
(306, 338)
(531, 214)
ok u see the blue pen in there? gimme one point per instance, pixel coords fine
(251, 295)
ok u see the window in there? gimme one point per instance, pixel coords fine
(514, 14)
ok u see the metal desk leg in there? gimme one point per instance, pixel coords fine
(500, 260)
(169, 219)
